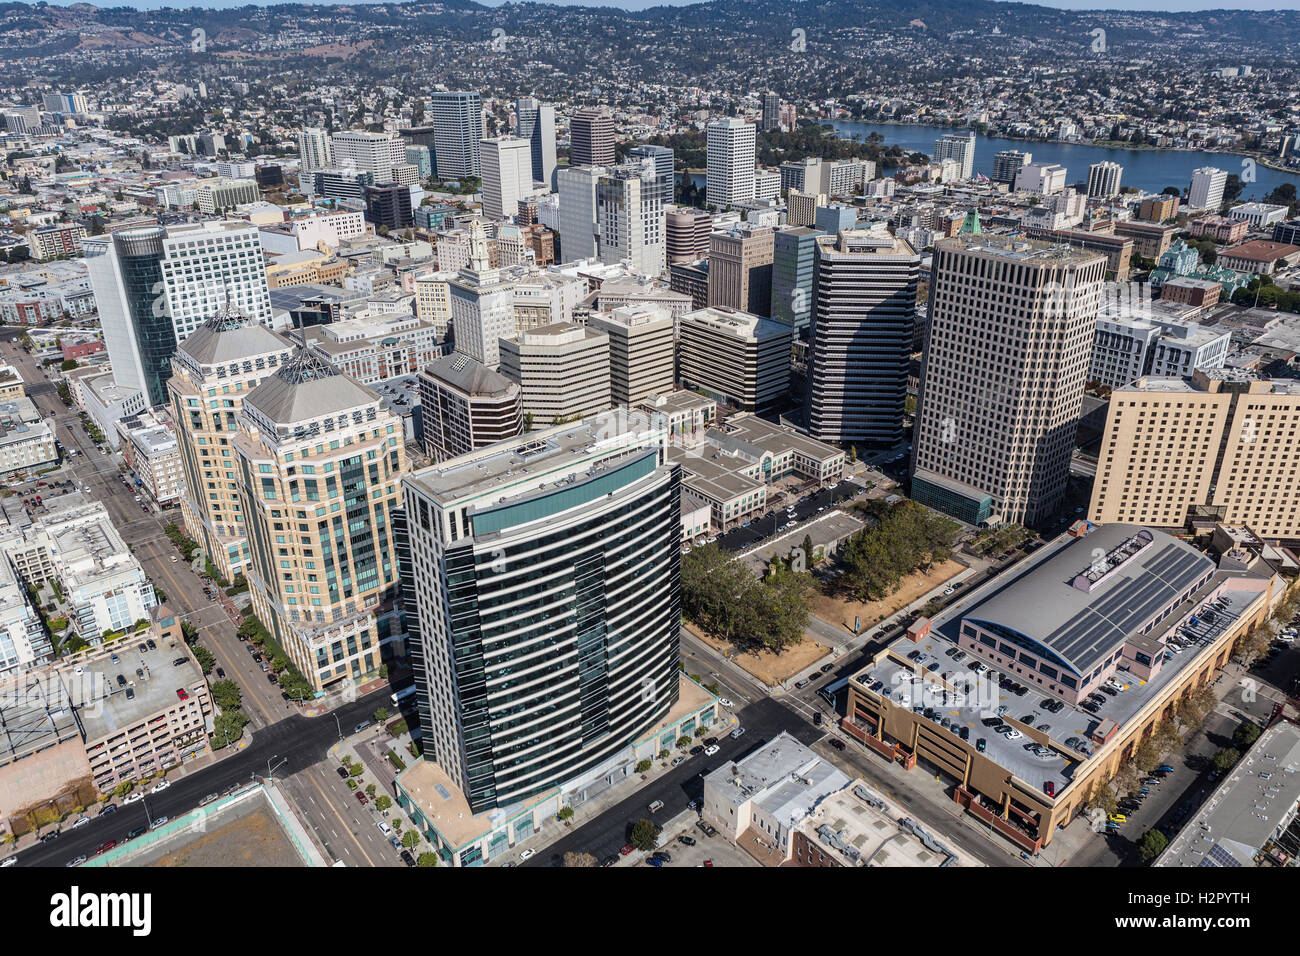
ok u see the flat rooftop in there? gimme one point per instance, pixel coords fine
(783, 777)
(515, 467)
(858, 826)
(1255, 800)
(1014, 247)
(154, 691)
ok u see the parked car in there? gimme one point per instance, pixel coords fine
(710, 751)
(738, 732)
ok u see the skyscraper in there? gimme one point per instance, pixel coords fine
(1011, 324)
(374, 153)
(315, 151)
(465, 405)
(630, 217)
(959, 147)
(729, 157)
(536, 124)
(154, 285)
(740, 269)
(457, 129)
(794, 265)
(1206, 190)
(1103, 180)
(543, 589)
(507, 168)
(320, 462)
(771, 111)
(229, 355)
(664, 174)
(482, 303)
(577, 189)
(1007, 164)
(864, 321)
(591, 137)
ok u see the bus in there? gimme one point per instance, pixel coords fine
(832, 690)
(402, 694)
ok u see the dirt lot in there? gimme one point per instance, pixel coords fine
(767, 666)
(254, 839)
(840, 612)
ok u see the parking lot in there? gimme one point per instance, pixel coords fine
(717, 849)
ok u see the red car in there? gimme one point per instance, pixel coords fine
(182, 693)
(708, 863)
(361, 797)
(1049, 788)
(106, 846)
(626, 850)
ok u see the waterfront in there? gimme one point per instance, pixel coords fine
(1148, 169)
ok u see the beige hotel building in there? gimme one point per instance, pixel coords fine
(1221, 441)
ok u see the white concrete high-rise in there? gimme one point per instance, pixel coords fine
(731, 148)
(1206, 191)
(315, 151)
(577, 188)
(482, 303)
(959, 147)
(507, 167)
(1103, 180)
(630, 217)
(154, 285)
(374, 153)
(536, 123)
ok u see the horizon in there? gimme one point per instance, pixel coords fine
(1152, 6)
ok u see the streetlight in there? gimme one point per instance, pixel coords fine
(338, 725)
(270, 771)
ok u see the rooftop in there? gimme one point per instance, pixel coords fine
(468, 375)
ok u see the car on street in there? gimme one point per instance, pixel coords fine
(725, 702)
(157, 823)
(76, 861)
(626, 850)
(137, 831)
(738, 732)
(827, 668)
(676, 761)
(160, 786)
(107, 808)
(1117, 818)
(132, 798)
(361, 797)
(407, 858)
(105, 846)
(384, 828)
(81, 822)
(361, 726)
(837, 743)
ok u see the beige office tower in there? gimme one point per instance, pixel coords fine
(1011, 325)
(562, 371)
(1219, 444)
(320, 466)
(433, 300)
(802, 207)
(686, 232)
(740, 269)
(642, 354)
(213, 370)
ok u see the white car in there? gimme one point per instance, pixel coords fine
(1013, 734)
(526, 854)
(725, 702)
(160, 786)
(384, 828)
(81, 822)
(947, 591)
(1287, 639)
(9, 861)
(132, 798)
(710, 751)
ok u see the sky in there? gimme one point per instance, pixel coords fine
(1166, 5)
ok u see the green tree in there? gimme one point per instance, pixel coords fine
(644, 834)
(381, 715)
(383, 802)
(228, 727)
(566, 813)
(1151, 845)
(356, 770)
(427, 859)
(410, 838)
(643, 765)
(226, 695)
(1225, 759)
(370, 790)
(1245, 735)
(68, 365)
(204, 657)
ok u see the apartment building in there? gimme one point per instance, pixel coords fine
(730, 155)
(375, 346)
(152, 452)
(595, 504)
(55, 242)
(1219, 440)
